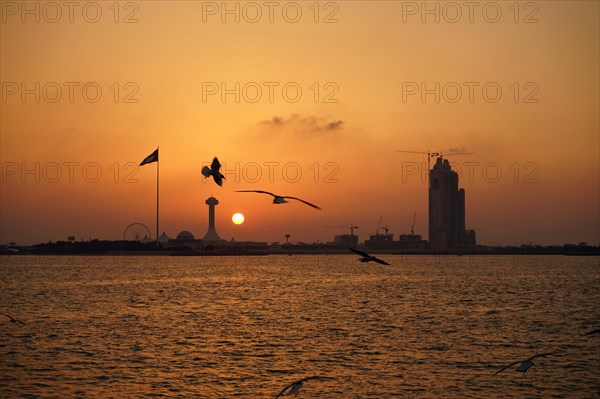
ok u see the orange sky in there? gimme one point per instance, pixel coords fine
(363, 65)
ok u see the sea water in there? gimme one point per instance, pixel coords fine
(245, 327)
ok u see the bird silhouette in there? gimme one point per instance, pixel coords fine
(368, 258)
(214, 171)
(525, 364)
(12, 319)
(279, 199)
(294, 387)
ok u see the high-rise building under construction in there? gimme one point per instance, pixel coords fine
(447, 209)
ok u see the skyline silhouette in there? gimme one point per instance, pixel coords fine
(457, 220)
(324, 128)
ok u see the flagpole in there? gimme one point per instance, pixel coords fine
(157, 161)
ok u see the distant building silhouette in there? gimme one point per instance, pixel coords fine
(185, 235)
(447, 209)
(211, 234)
(381, 241)
(164, 238)
(412, 241)
(346, 240)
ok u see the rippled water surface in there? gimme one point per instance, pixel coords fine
(244, 327)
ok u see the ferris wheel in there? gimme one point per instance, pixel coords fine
(137, 232)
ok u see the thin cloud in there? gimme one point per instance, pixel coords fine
(275, 121)
(308, 124)
(334, 125)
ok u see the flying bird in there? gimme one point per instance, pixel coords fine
(368, 258)
(525, 364)
(279, 199)
(214, 171)
(294, 387)
(12, 319)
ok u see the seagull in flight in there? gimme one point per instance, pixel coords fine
(525, 364)
(214, 171)
(279, 199)
(368, 258)
(294, 387)
(12, 319)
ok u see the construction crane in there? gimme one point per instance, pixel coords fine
(412, 227)
(378, 225)
(385, 228)
(351, 227)
(431, 154)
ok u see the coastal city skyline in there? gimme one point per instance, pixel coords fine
(446, 228)
(197, 223)
(320, 120)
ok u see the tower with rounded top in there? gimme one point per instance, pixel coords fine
(211, 234)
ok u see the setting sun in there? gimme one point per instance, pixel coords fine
(237, 218)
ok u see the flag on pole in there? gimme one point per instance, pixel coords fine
(150, 158)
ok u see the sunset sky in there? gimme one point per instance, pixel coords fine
(357, 67)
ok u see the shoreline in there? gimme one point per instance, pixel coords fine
(491, 252)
